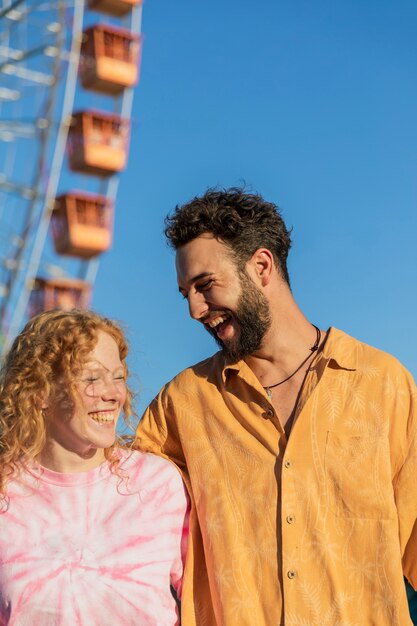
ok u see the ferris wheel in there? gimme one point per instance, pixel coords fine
(67, 77)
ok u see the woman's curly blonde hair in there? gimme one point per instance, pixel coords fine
(52, 347)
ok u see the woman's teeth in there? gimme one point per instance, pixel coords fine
(102, 416)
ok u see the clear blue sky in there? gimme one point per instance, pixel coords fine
(312, 104)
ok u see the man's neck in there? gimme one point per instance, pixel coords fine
(285, 345)
(282, 366)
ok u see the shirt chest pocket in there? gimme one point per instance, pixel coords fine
(358, 477)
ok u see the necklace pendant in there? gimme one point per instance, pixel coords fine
(268, 392)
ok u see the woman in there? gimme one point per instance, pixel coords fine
(91, 532)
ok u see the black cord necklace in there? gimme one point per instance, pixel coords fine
(313, 349)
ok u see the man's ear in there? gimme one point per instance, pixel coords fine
(262, 265)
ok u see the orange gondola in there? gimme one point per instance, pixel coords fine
(59, 293)
(109, 59)
(113, 7)
(82, 224)
(97, 143)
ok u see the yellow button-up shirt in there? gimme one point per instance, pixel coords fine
(309, 531)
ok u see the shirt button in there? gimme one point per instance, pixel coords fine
(287, 463)
(291, 519)
(291, 573)
(270, 413)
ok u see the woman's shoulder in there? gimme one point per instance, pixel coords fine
(157, 480)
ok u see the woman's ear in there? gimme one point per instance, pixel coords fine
(41, 403)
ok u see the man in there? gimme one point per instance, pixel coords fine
(298, 446)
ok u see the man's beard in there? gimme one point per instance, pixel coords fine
(254, 319)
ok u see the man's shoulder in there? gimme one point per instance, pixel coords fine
(208, 369)
(188, 388)
(361, 355)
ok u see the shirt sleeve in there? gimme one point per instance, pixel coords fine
(408, 515)
(405, 488)
(157, 430)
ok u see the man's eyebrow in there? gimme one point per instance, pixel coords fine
(195, 278)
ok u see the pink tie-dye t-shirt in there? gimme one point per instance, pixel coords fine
(94, 548)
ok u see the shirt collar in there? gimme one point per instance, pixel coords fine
(339, 347)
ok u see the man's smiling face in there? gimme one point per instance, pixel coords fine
(231, 307)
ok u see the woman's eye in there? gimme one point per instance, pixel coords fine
(91, 379)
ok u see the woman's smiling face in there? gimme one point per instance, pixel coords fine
(84, 422)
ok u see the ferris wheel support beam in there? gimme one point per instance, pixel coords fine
(19, 55)
(26, 192)
(27, 74)
(58, 157)
(10, 8)
(25, 130)
(9, 94)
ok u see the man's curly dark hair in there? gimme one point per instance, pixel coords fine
(244, 221)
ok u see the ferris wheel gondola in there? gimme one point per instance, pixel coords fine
(67, 76)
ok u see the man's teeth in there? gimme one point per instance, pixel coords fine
(218, 320)
(102, 416)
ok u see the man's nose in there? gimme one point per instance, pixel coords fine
(197, 305)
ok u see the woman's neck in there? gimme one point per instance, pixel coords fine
(57, 459)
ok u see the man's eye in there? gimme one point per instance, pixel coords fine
(204, 286)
